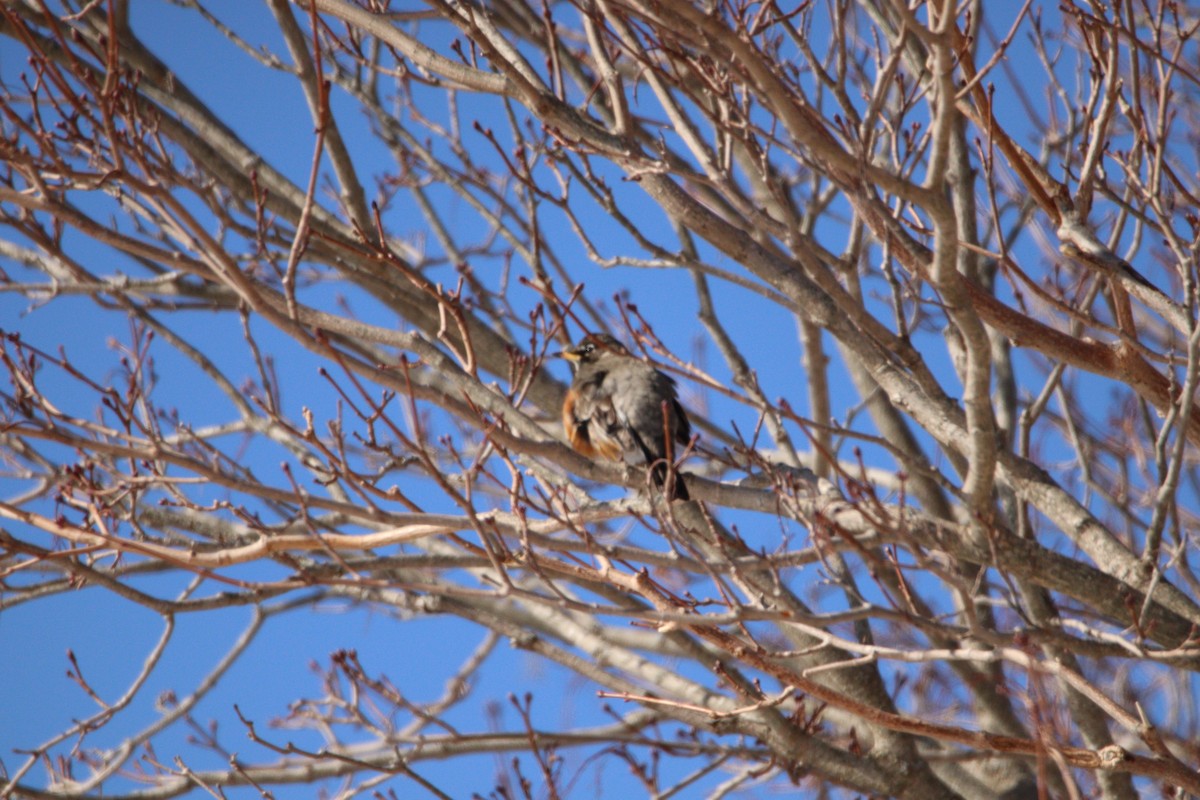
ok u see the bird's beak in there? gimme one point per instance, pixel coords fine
(569, 355)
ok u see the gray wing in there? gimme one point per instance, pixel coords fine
(637, 398)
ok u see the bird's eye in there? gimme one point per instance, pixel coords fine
(588, 349)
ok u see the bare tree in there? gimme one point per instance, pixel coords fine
(946, 555)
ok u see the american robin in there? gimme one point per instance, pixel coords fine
(622, 409)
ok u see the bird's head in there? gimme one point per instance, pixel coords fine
(593, 347)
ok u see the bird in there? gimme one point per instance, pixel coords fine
(620, 408)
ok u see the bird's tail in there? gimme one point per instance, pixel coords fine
(669, 481)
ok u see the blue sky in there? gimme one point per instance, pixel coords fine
(110, 636)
